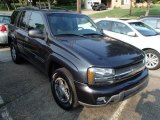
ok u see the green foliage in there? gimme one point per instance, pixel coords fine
(3, 8)
(124, 13)
(66, 2)
(155, 1)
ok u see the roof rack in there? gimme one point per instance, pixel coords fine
(28, 8)
(43, 8)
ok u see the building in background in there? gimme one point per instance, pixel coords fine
(125, 4)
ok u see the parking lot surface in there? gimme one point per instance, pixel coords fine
(25, 94)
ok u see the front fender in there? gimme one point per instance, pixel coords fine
(63, 62)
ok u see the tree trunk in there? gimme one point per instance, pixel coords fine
(148, 7)
(8, 3)
(14, 4)
(130, 10)
(79, 6)
(49, 4)
(40, 4)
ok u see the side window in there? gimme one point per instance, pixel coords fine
(158, 24)
(5, 19)
(105, 25)
(14, 16)
(36, 22)
(120, 28)
(24, 19)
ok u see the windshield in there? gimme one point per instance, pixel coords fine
(143, 29)
(64, 23)
(5, 19)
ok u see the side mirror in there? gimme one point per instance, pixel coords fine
(132, 34)
(36, 34)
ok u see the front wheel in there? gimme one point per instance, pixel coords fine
(152, 59)
(63, 89)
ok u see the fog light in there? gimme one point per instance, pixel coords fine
(101, 100)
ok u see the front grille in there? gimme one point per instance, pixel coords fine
(129, 71)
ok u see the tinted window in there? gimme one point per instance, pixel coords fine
(24, 19)
(106, 25)
(36, 22)
(5, 19)
(143, 29)
(120, 28)
(14, 16)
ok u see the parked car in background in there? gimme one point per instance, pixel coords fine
(84, 66)
(98, 6)
(152, 21)
(4, 21)
(136, 33)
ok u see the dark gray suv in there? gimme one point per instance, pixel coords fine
(85, 66)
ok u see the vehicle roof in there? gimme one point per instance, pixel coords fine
(8, 15)
(152, 16)
(53, 10)
(116, 20)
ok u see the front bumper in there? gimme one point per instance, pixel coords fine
(102, 95)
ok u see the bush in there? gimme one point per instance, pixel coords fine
(2, 7)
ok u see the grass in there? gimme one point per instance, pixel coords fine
(124, 13)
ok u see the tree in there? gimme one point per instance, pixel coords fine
(8, 4)
(79, 6)
(14, 4)
(34, 3)
(49, 4)
(130, 10)
(148, 7)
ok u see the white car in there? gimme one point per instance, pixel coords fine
(4, 21)
(136, 33)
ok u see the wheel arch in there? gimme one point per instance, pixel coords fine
(55, 62)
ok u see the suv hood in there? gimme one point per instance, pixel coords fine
(103, 52)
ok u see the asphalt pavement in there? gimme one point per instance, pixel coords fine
(25, 94)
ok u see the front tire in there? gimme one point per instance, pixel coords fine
(63, 89)
(152, 59)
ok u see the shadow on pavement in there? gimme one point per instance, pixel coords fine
(148, 106)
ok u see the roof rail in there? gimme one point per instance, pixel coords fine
(28, 8)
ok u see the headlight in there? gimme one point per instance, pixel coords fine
(100, 75)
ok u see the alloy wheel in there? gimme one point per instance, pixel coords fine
(62, 90)
(151, 60)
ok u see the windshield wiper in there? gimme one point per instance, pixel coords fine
(69, 34)
(93, 34)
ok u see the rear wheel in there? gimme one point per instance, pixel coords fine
(152, 59)
(15, 55)
(63, 89)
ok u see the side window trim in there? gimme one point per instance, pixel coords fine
(20, 18)
(27, 28)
